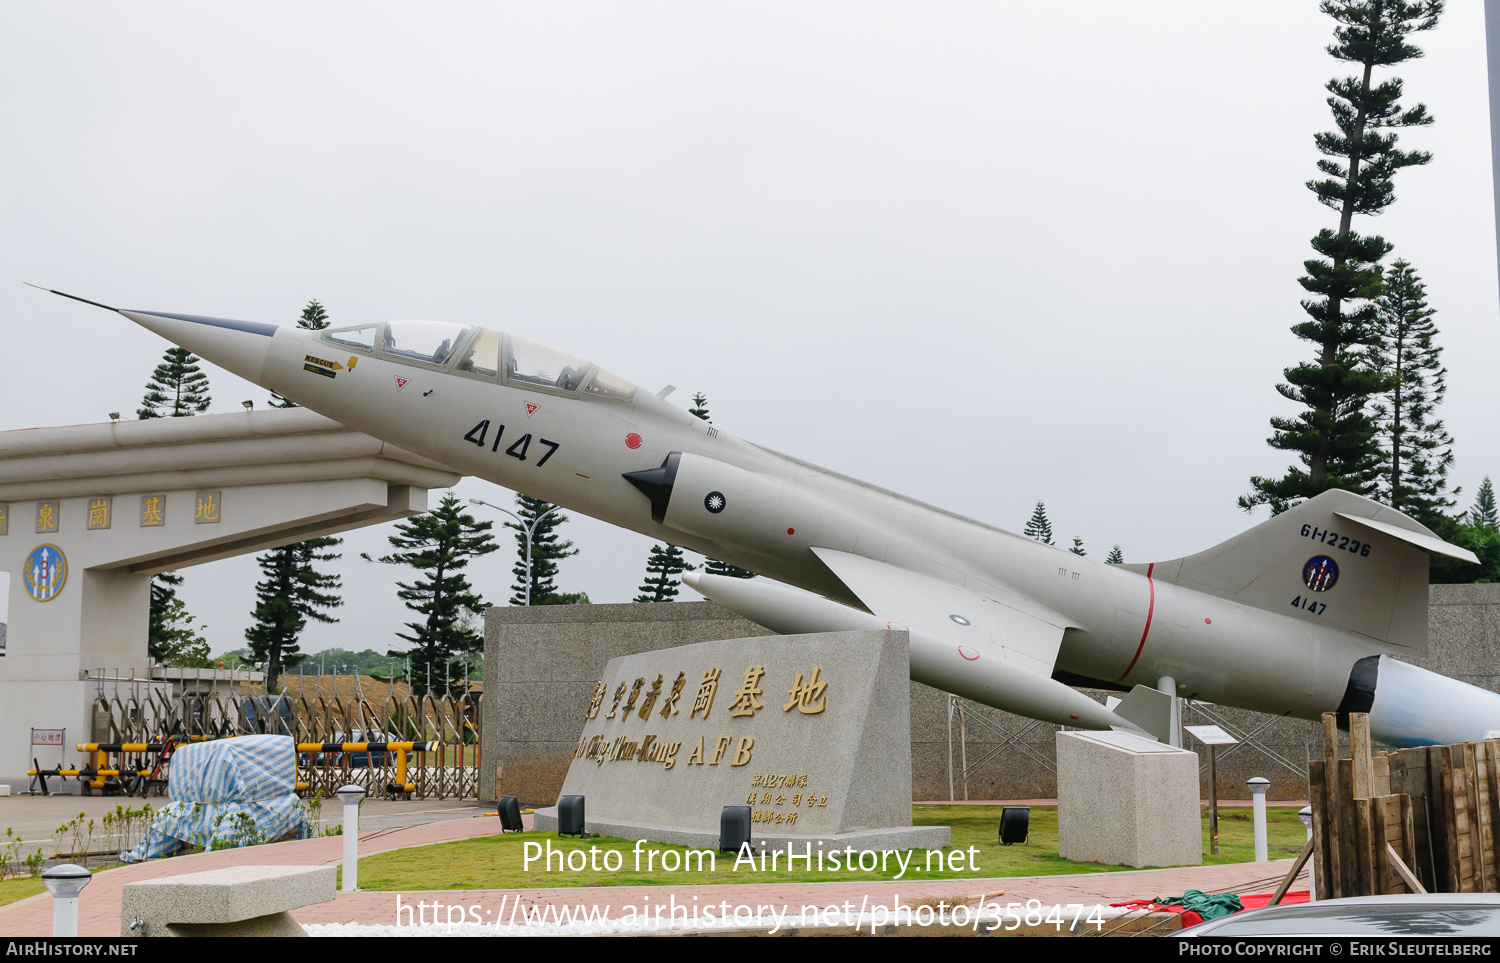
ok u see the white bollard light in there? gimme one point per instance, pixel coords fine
(1305, 814)
(350, 796)
(1258, 787)
(65, 882)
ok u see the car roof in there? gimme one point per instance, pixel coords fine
(1405, 914)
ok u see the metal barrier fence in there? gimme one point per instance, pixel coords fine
(984, 743)
(451, 770)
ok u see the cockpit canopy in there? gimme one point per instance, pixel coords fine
(482, 353)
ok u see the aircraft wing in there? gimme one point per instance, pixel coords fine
(997, 622)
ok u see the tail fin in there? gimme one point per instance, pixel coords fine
(1338, 558)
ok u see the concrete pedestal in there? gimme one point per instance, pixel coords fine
(1126, 800)
(812, 733)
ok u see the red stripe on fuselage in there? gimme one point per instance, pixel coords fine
(1151, 610)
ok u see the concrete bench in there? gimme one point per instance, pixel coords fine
(238, 901)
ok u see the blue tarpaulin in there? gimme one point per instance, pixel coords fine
(212, 783)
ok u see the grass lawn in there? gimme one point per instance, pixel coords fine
(20, 887)
(496, 862)
(17, 888)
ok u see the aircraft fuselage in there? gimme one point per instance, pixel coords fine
(1254, 622)
(574, 450)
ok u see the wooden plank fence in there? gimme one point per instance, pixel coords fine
(1412, 820)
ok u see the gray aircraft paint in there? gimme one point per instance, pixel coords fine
(992, 614)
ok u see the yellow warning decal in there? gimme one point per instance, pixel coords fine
(321, 363)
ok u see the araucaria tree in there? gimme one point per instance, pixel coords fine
(662, 569)
(547, 549)
(293, 592)
(1415, 449)
(171, 638)
(439, 544)
(178, 387)
(1483, 513)
(1334, 438)
(314, 318)
(714, 566)
(1038, 527)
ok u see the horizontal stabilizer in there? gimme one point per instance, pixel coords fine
(1422, 540)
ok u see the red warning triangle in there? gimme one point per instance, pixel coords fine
(401, 382)
(531, 409)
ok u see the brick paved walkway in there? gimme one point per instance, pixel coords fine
(99, 910)
(489, 905)
(99, 906)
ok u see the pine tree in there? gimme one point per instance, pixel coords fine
(1115, 557)
(170, 636)
(662, 569)
(715, 567)
(700, 407)
(1077, 548)
(163, 594)
(1482, 514)
(547, 549)
(1334, 438)
(314, 318)
(1039, 528)
(178, 387)
(439, 544)
(1417, 452)
(293, 592)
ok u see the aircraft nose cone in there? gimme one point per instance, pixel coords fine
(237, 346)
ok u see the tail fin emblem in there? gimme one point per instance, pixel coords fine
(1321, 573)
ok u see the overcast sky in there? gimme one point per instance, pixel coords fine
(984, 254)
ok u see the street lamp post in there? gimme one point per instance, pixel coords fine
(529, 529)
(65, 882)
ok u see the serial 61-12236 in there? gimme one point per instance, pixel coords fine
(1335, 540)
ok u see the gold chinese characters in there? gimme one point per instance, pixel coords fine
(808, 694)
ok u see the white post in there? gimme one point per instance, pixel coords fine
(1305, 814)
(1168, 685)
(65, 882)
(1258, 787)
(350, 796)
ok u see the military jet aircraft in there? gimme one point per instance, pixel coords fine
(1300, 615)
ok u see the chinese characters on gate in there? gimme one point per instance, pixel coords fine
(46, 568)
